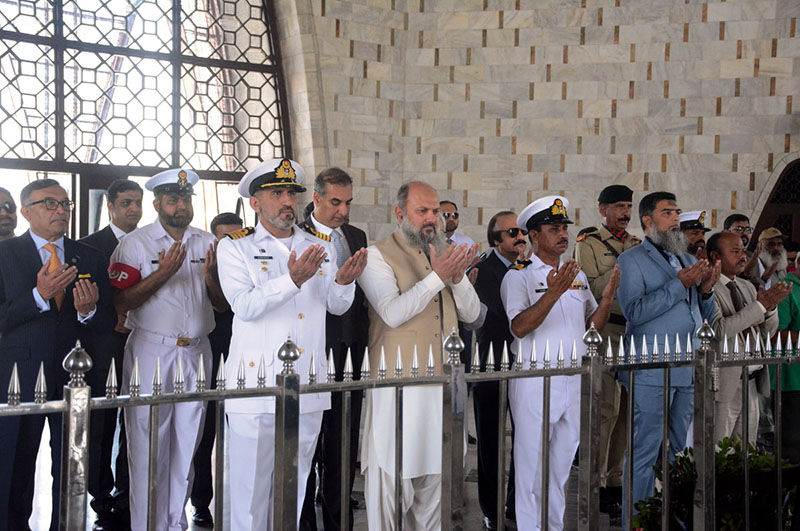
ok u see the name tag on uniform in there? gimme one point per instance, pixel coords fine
(198, 260)
(540, 290)
(153, 261)
(260, 257)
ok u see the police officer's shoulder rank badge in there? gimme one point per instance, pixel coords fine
(241, 233)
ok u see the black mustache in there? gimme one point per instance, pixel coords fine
(563, 241)
(519, 242)
(625, 219)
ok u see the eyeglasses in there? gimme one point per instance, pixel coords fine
(514, 232)
(740, 229)
(52, 204)
(9, 207)
(448, 215)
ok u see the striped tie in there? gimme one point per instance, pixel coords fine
(54, 264)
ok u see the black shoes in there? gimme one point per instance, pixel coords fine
(201, 517)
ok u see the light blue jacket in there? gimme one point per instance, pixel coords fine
(655, 302)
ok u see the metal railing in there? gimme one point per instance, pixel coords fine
(78, 403)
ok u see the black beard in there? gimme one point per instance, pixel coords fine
(179, 221)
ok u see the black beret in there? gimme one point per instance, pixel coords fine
(615, 193)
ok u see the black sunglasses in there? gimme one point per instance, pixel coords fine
(448, 215)
(514, 232)
(9, 207)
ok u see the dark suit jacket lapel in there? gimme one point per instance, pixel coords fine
(29, 255)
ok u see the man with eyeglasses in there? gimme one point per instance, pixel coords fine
(739, 224)
(8, 215)
(166, 280)
(597, 250)
(53, 291)
(508, 243)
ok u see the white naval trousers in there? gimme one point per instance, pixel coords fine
(525, 397)
(252, 466)
(178, 430)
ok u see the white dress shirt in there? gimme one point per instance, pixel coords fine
(118, 232)
(460, 239)
(326, 230)
(181, 307)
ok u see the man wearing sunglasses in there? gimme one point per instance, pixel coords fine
(8, 215)
(53, 291)
(451, 216)
(508, 242)
(597, 250)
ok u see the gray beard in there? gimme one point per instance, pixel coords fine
(674, 241)
(280, 223)
(767, 259)
(420, 240)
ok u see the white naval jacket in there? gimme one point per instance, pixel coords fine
(268, 307)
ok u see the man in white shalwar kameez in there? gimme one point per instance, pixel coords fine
(417, 291)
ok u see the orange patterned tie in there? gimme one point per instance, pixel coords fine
(54, 264)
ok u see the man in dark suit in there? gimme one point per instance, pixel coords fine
(220, 339)
(333, 193)
(53, 291)
(508, 245)
(124, 202)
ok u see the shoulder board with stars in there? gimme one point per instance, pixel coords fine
(306, 226)
(241, 233)
(521, 264)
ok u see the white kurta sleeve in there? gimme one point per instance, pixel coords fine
(395, 308)
(248, 301)
(468, 305)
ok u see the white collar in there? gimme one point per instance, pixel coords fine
(324, 229)
(118, 232)
(158, 231)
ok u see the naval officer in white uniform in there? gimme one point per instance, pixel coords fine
(280, 282)
(166, 281)
(548, 301)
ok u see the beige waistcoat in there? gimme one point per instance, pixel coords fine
(410, 265)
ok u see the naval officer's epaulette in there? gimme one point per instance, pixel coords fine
(585, 232)
(521, 264)
(241, 233)
(309, 228)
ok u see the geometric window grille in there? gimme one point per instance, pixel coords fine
(135, 86)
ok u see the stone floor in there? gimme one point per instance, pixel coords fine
(473, 520)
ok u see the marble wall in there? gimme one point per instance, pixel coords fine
(498, 102)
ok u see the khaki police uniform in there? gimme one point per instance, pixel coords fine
(597, 251)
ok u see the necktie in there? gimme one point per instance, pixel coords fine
(53, 264)
(341, 252)
(736, 296)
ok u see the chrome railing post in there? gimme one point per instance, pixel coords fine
(589, 452)
(704, 444)
(75, 441)
(287, 425)
(454, 399)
